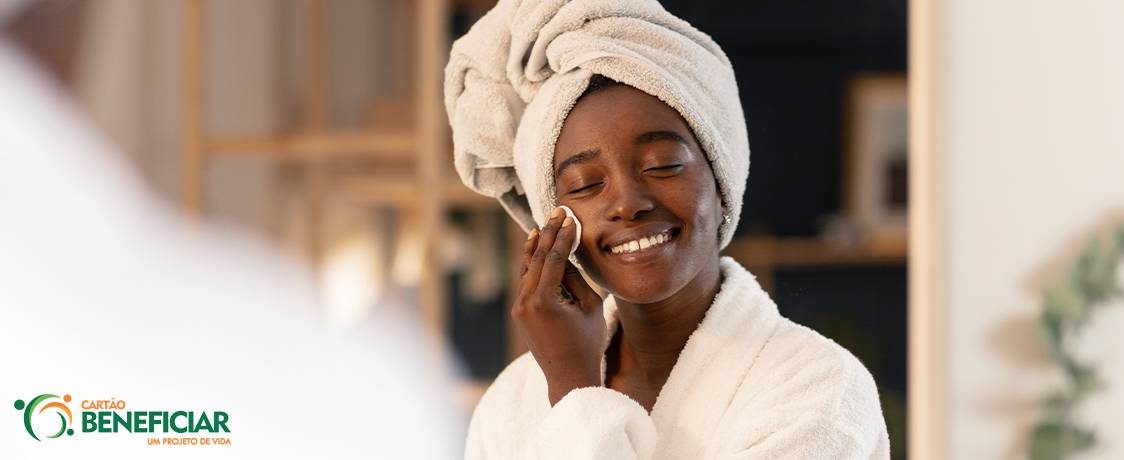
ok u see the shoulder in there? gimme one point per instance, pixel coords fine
(800, 360)
(793, 358)
(805, 350)
(810, 381)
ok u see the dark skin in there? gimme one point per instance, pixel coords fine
(629, 167)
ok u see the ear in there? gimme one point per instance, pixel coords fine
(719, 216)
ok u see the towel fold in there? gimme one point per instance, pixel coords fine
(513, 78)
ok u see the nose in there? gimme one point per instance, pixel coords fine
(629, 200)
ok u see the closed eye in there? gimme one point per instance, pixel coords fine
(584, 188)
(669, 168)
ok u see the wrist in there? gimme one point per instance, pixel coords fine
(559, 388)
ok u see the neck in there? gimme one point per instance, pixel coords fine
(653, 335)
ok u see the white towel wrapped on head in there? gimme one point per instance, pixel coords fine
(513, 78)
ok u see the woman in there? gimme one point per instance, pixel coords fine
(630, 117)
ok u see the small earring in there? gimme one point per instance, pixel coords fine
(727, 218)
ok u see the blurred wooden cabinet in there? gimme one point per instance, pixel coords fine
(406, 139)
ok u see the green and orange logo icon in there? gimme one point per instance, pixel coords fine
(45, 402)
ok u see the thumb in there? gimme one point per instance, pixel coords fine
(575, 284)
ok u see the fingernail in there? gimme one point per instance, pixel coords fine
(567, 222)
(532, 233)
(556, 213)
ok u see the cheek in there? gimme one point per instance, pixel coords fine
(718, 212)
(707, 220)
(705, 214)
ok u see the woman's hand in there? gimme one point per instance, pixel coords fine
(558, 313)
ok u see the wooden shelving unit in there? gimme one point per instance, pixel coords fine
(425, 191)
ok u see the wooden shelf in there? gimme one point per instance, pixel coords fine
(398, 145)
(403, 190)
(768, 251)
(763, 255)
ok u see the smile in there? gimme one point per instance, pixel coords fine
(643, 243)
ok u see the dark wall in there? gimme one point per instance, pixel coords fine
(793, 59)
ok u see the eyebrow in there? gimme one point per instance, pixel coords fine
(645, 138)
(656, 136)
(580, 157)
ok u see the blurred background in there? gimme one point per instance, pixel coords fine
(319, 124)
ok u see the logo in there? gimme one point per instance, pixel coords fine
(112, 416)
(45, 402)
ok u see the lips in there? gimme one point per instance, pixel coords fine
(640, 239)
(642, 243)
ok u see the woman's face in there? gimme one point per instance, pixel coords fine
(630, 168)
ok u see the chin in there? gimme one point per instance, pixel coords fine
(645, 288)
(640, 295)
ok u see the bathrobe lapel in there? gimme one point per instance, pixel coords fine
(712, 365)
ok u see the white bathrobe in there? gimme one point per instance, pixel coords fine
(748, 384)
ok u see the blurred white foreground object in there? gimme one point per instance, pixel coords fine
(105, 294)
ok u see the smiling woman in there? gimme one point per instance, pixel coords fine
(630, 117)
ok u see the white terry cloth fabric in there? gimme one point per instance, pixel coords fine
(513, 78)
(750, 384)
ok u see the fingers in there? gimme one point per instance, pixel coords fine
(556, 259)
(528, 249)
(532, 277)
(547, 269)
(588, 299)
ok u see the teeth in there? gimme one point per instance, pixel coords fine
(642, 243)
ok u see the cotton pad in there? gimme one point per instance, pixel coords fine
(577, 227)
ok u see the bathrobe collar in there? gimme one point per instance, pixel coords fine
(738, 324)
